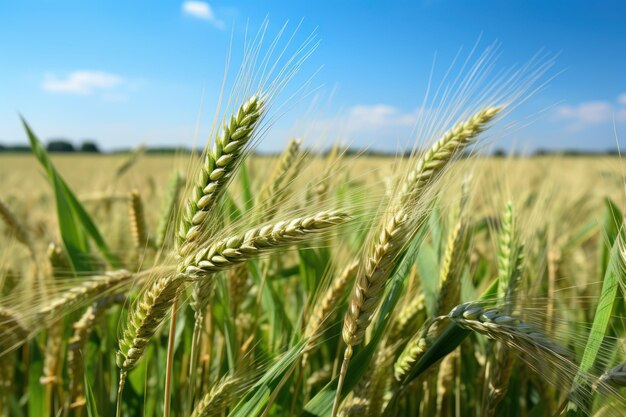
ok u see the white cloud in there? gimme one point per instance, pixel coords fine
(202, 10)
(622, 99)
(363, 117)
(81, 82)
(590, 113)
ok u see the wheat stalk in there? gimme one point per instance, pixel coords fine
(396, 229)
(81, 331)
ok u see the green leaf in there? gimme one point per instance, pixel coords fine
(581, 394)
(92, 409)
(75, 224)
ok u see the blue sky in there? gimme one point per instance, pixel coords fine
(129, 72)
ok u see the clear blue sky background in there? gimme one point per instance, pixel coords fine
(126, 72)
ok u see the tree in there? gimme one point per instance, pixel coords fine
(60, 145)
(89, 146)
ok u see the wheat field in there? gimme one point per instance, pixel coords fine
(443, 282)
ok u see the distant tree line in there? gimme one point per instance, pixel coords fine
(90, 146)
(57, 145)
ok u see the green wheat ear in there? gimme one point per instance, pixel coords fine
(218, 168)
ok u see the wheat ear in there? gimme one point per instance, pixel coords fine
(218, 168)
(275, 189)
(137, 221)
(329, 301)
(510, 257)
(410, 316)
(168, 211)
(144, 319)
(227, 253)
(414, 349)
(396, 229)
(506, 329)
(76, 296)
(214, 403)
(614, 377)
(17, 228)
(13, 330)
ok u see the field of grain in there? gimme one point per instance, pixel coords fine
(444, 283)
(273, 324)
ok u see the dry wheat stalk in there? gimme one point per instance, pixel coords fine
(53, 355)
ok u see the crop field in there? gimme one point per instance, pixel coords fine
(319, 281)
